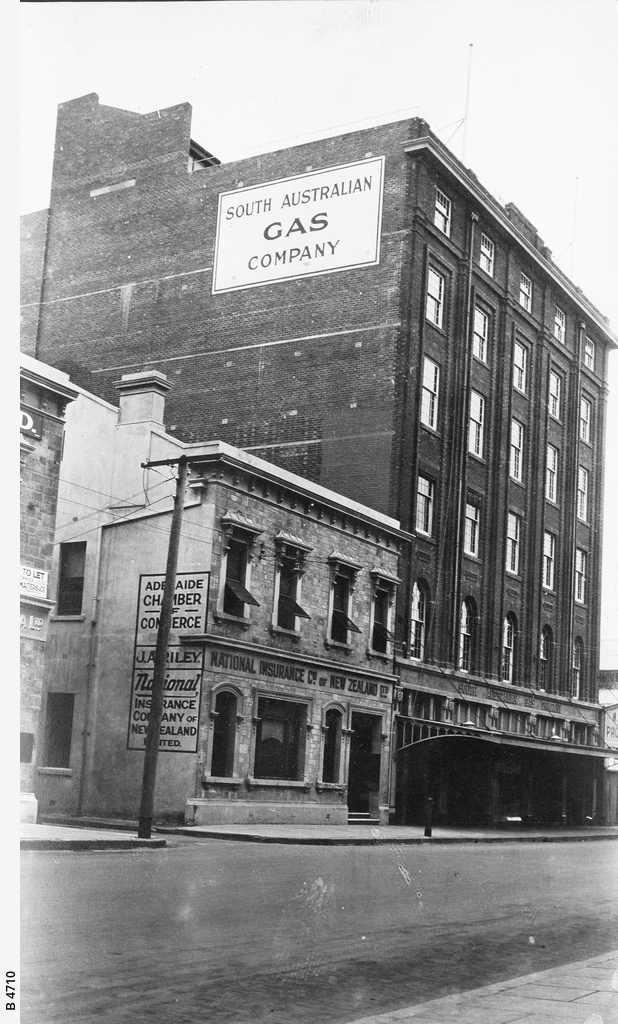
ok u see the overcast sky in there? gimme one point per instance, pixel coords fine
(538, 79)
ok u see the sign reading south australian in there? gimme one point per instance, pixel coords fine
(314, 223)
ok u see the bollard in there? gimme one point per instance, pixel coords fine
(428, 816)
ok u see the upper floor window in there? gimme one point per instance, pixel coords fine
(435, 297)
(236, 573)
(71, 578)
(466, 634)
(486, 258)
(525, 292)
(343, 580)
(578, 667)
(429, 397)
(517, 450)
(520, 367)
(555, 395)
(418, 622)
(477, 424)
(509, 637)
(479, 337)
(290, 567)
(471, 530)
(545, 658)
(560, 325)
(582, 494)
(589, 354)
(581, 569)
(585, 410)
(424, 505)
(549, 554)
(382, 610)
(551, 473)
(513, 539)
(442, 212)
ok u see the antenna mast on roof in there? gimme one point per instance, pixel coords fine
(463, 152)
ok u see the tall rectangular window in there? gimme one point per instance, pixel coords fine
(549, 553)
(435, 297)
(477, 424)
(513, 536)
(442, 212)
(520, 367)
(58, 730)
(585, 409)
(424, 505)
(429, 398)
(236, 594)
(525, 292)
(486, 258)
(289, 570)
(383, 601)
(551, 473)
(582, 494)
(471, 530)
(479, 337)
(342, 586)
(559, 325)
(581, 568)
(555, 395)
(517, 450)
(71, 578)
(280, 739)
(589, 354)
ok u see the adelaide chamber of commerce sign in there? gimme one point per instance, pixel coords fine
(314, 223)
(182, 688)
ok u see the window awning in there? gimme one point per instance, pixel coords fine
(343, 620)
(381, 630)
(292, 606)
(241, 592)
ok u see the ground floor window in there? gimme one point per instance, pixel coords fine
(224, 735)
(280, 739)
(58, 730)
(331, 764)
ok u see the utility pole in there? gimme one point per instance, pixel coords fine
(158, 679)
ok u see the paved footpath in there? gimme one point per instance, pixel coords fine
(582, 993)
(90, 832)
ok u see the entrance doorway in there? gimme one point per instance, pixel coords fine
(364, 770)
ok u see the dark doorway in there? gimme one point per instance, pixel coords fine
(364, 771)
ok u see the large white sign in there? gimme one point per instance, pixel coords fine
(610, 727)
(314, 223)
(33, 581)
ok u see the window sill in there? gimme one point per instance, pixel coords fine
(237, 620)
(278, 783)
(67, 618)
(347, 648)
(382, 655)
(222, 780)
(294, 634)
(55, 771)
(334, 787)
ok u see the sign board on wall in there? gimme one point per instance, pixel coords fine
(33, 621)
(610, 727)
(31, 423)
(182, 688)
(314, 223)
(33, 582)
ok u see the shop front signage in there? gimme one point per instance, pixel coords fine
(33, 582)
(261, 667)
(182, 687)
(314, 223)
(610, 727)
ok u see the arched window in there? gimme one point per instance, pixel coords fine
(418, 624)
(466, 637)
(224, 735)
(509, 640)
(545, 659)
(331, 760)
(578, 668)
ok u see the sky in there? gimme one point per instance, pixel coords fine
(525, 92)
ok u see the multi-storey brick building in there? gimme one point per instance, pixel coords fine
(361, 311)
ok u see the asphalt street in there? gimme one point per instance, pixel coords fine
(234, 933)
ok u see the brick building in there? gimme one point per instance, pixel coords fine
(279, 696)
(361, 311)
(44, 394)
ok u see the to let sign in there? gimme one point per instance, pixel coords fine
(33, 582)
(315, 223)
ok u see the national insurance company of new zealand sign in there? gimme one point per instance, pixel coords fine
(315, 223)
